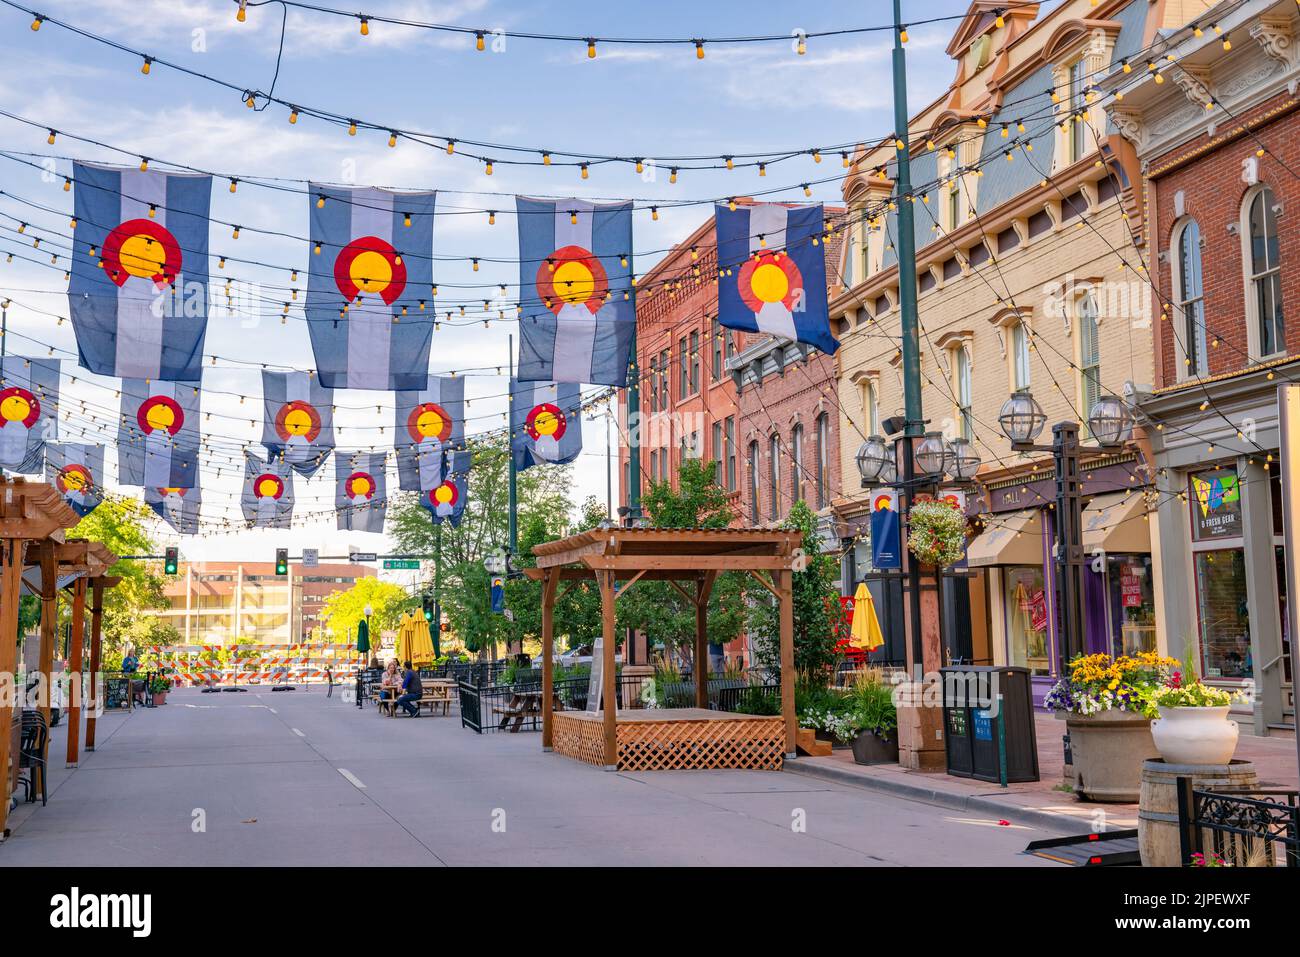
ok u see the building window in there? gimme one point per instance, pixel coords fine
(823, 457)
(796, 464)
(961, 372)
(1026, 607)
(1020, 356)
(729, 344)
(856, 259)
(1078, 131)
(1189, 296)
(729, 454)
(1225, 625)
(716, 452)
(753, 484)
(870, 407)
(654, 466)
(954, 207)
(1265, 285)
(774, 476)
(695, 362)
(1089, 352)
(654, 384)
(684, 373)
(716, 339)
(665, 397)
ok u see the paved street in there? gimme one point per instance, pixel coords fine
(294, 778)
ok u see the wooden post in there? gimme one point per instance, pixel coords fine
(609, 676)
(49, 628)
(96, 626)
(703, 588)
(550, 579)
(786, 598)
(75, 668)
(11, 584)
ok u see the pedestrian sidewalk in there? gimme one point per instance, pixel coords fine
(1043, 803)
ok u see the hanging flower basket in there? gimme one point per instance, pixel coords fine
(937, 533)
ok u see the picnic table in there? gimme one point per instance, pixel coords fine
(523, 705)
(436, 692)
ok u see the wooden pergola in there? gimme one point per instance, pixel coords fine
(689, 560)
(33, 520)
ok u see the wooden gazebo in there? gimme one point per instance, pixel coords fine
(689, 560)
(35, 553)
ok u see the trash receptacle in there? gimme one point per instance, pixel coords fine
(988, 718)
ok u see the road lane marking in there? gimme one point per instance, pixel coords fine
(352, 778)
(298, 733)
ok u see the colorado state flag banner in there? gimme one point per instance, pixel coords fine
(77, 471)
(366, 284)
(360, 491)
(575, 283)
(777, 262)
(158, 434)
(138, 294)
(29, 411)
(545, 423)
(267, 495)
(299, 421)
(178, 507)
(430, 430)
(447, 501)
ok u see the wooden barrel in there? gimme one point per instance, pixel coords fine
(1158, 839)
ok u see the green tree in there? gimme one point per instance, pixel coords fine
(344, 609)
(656, 607)
(814, 595)
(121, 524)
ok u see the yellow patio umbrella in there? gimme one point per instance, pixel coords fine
(404, 635)
(866, 632)
(421, 642)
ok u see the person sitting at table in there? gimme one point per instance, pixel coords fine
(412, 690)
(392, 677)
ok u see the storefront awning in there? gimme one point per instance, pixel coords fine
(1117, 523)
(1012, 539)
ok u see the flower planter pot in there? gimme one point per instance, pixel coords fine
(1108, 749)
(159, 697)
(1196, 736)
(872, 748)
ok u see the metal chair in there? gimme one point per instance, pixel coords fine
(31, 754)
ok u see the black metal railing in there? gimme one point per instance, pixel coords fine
(1242, 827)
(750, 699)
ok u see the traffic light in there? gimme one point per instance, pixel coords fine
(171, 560)
(429, 608)
(282, 561)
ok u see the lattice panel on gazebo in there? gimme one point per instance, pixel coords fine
(744, 745)
(575, 738)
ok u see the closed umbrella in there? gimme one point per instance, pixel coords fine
(404, 639)
(866, 632)
(363, 637)
(421, 642)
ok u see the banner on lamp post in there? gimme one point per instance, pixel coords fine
(886, 541)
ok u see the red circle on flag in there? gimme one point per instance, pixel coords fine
(359, 484)
(268, 484)
(429, 420)
(444, 494)
(297, 418)
(370, 265)
(19, 405)
(546, 420)
(74, 478)
(143, 248)
(767, 278)
(160, 412)
(572, 274)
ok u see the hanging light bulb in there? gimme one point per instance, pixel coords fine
(316, 249)
(546, 159)
(153, 211)
(50, 139)
(762, 169)
(640, 166)
(233, 184)
(1227, 44)
(492, 217)
(573, 217)
(234, 233)
(475, 265)
(144, 164)
(487, 168)
(699, 50)
(352, 127)
(365, 26)
(144, 67)
(802, 46)
(406, 219)
(583, 167)
(478, 41)
(844, 158)
(902, 34)
(67, 184)
(36, 24)
(392, 138)
(999, 21)
(293, 115)
(242, 15)
(654, 213)
(591, 48)
(807, 190)
(672, 175)
(320, 200)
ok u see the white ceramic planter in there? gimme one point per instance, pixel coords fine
(1195, 735)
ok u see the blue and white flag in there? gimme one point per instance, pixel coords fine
(178, 507)
(77, 471)
(138, 294)
(776, 260)
(430, 433)
(158, 434)
(446, 502)
(299, 422)
(575, 284)
(368, 286)
(29, 411)
(267, 496)
(545, 423)
(360, 491)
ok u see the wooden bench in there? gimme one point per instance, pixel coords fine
(433, 696)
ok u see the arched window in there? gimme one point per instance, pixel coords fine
(1089, 352)
(1020, 355)
(1264, 275)
(753, 484)
(965, 417)
(796, 465)
(870, 407)
(1189, 293)
(823, 457)
(774, 476)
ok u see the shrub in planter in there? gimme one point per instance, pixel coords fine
(875, 717)
(159, 687)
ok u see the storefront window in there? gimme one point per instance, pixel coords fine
(1132, 604)
(1026, 604)
(1225, 623)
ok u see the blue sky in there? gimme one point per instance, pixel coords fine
(642, 101)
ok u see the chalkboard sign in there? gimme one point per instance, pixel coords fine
(117, 693)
